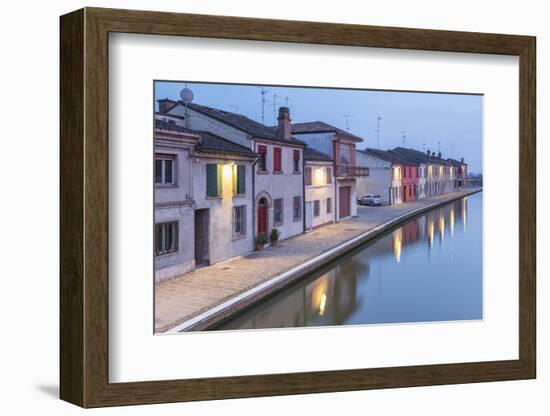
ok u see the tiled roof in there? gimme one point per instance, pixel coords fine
(166, 125)
(418, 156)
(322, 127)
(209, 143)
(387, 155)
(243, 123)
(315, 155)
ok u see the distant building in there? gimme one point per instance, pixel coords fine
(203, 199)
(339, 146)
(319, 183)
(277, 182)
(379, 181)
(461, 173)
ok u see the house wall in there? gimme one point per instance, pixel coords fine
(397, 188)
(321, 191)
(422, 172)
(221, 242)
(175, 203)
(285, 185)
(168, 266)
(380, 177)
(409, 181)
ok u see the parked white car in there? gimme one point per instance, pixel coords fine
(371, 200)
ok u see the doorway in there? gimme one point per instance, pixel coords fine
(202, 221)
(262, 216)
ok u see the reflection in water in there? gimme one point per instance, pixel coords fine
(391, 279)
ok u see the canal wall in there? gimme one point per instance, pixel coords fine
(228, 309)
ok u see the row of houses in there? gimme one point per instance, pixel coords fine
(402, 175)
(223, 181)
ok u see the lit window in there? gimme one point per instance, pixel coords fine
(329, 175)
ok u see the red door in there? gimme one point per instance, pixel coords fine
(345, 201)
(262, 216)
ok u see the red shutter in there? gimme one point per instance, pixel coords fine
(296, 155)
(277, 159)
(262, 148)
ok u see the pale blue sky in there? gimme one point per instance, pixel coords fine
(449, 122)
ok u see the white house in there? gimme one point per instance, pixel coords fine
(203, 199)
(320, 189)
(379, 181)
(277, 181)
(339, 145)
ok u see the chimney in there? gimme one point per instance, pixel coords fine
(165, 104)
(461, 160)
(284, 128)
(428, 153)
(439, 155)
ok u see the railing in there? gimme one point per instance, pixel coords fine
(345, 171)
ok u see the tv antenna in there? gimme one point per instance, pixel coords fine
(403, 138)
(378, 130)
(263, 92)
(275, 108)
(347, 118)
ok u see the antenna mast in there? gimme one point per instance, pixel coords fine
(275, 108)
(378, 118)
(403, 138)
(347, 119)
(263, 92)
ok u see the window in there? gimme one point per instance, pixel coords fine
(164, 169)
(405, 171)
(316, 208)
(239, 180)
(166, 238)
(329, 175)
(277, 159)
(329, 205)
(296, 159)
(213, 180)
(239, 220)
(278, 211)
(297, 208)
(307, 176)
(262, 162)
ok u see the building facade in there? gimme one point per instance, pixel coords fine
(203, 199)
(379, 181)
(319, 183)
(339, 146)
(277, 181)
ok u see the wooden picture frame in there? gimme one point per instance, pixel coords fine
(84, 207)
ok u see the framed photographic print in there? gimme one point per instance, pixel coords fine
(256, 207)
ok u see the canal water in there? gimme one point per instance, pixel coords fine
(429, 269)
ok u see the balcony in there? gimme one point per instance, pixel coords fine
(348, 171)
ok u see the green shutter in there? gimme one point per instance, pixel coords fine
(220, 180)
(212, 179)
(241, 179)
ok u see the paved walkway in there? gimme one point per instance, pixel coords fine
(183, 298)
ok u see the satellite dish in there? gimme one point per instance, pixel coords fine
(186, 95)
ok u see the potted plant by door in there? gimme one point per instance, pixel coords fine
(274, 236)
(261, 239)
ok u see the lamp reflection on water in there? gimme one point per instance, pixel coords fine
(397, 244)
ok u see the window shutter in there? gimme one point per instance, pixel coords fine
(277, 159)
(219, 180)
(241, 179)
(296, 155)
(211, 179)
(262, 148)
